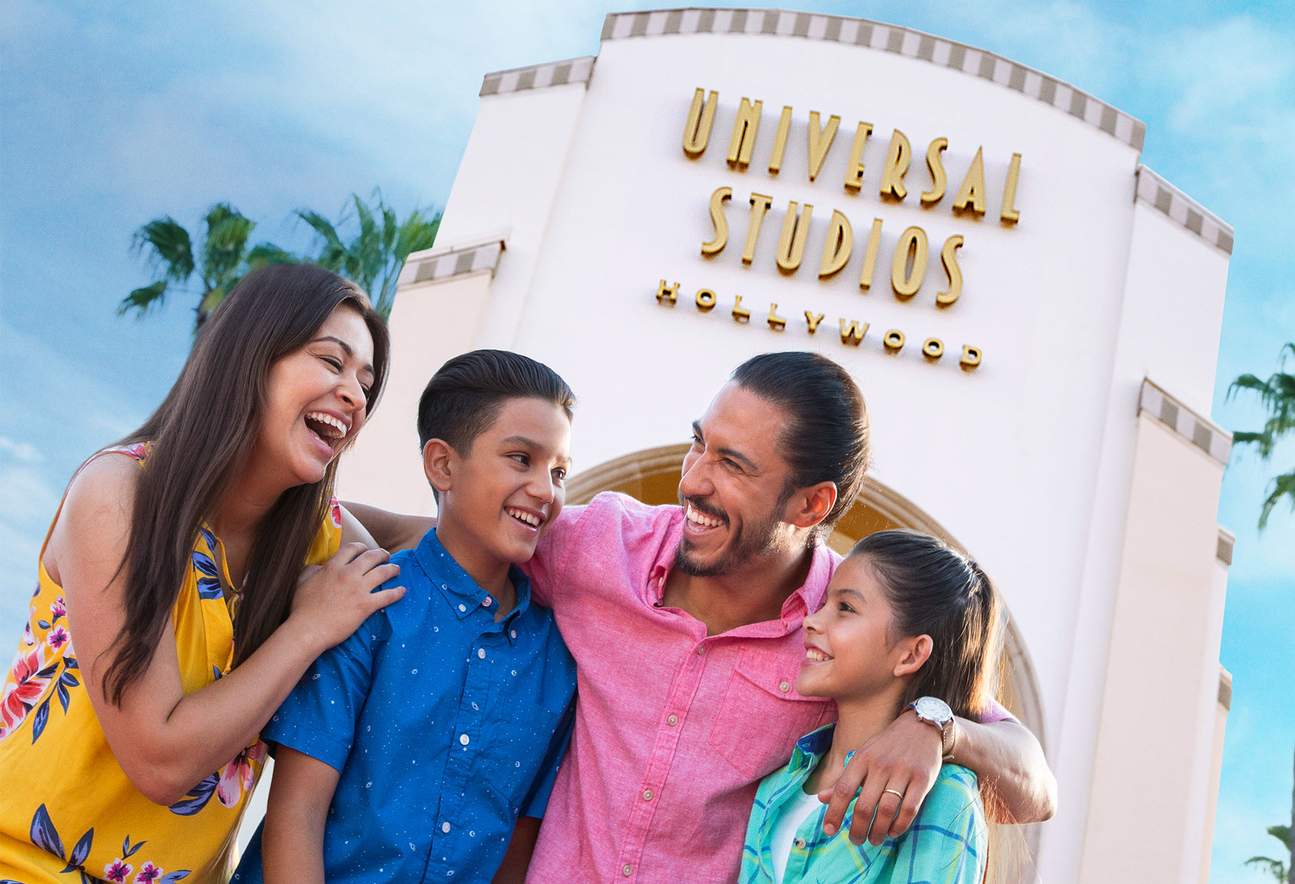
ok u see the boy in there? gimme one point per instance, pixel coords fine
(410, 751)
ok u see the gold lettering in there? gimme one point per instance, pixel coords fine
(852, 331)
(949, 258)
(705, 300)
(819, 141)
(760, 204)
(971, 357)
(932, 349)
(780, 141)
(870, 255)
(717, 200)
(745, 128)
(795, 230)
(971, 194)
(897, 159)
(812, 320)
(893, 341)
(740, 313)
(836, 248)
(696, 132)
(776, 322)
(935, 162)
(908, 268)
(854, 168)
(1010, 214)
(666, 293)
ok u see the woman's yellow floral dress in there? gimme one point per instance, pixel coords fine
(66, 806)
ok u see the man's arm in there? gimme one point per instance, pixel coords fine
(392, 531)
(905, 757)
(518, 858)
(292, 845)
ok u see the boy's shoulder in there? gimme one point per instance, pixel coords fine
(956, 794)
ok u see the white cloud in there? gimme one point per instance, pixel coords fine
(20, 451)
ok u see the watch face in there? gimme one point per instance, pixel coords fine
(933, 709)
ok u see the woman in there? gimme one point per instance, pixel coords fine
(174, 567)
(905, 617)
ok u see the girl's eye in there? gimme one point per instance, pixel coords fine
(843, 606)
(559, 474)
(696, 441)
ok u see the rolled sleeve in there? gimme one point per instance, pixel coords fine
(319, 717)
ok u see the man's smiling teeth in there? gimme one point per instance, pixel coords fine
(701, 519)
(523, 516)
(816, 655)
(329, 421)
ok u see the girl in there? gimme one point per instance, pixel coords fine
(174, 568)
(905, 617)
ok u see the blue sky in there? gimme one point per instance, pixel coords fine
(110, 116)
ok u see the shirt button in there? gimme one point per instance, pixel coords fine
(672, 720)
(647, 794)
(627, 870)
(512, 633)
(800, 842)
(463, 741)
(784, 686)
(487, 601)
(481, 654)
(700, 650)
(462, 608)
(445, 827)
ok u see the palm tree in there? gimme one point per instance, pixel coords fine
(373, 258)
(1277, 394)
(1275, 867)
(223, 258)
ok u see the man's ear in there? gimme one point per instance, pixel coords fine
(809, 506)
(439, 464)
(914, 652)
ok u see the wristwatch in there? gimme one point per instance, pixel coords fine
(938, 715)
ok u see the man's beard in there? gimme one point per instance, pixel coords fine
(744, 546)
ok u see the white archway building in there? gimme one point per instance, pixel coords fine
(1067, 446)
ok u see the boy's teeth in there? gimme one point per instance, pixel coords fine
(528, 518)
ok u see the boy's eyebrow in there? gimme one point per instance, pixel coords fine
(748, 464)
(527, 442)
(346, 348)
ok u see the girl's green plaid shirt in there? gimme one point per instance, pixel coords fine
(945, 845)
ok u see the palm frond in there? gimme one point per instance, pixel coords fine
(1274, 867)
(332, 253)
(225, 247)
(1282, 834)
(264, 253)
(142, 299)
(168, 245)
(1280, 487)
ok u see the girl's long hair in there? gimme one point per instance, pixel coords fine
(202, 435)
(934, 590)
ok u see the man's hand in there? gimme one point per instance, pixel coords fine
(904, 757)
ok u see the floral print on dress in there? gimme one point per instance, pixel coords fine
(229, 784)
(205, 568)
(45, 836)
(26, 684)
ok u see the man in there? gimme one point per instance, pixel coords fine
(685, 624)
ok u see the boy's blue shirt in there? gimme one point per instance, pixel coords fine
(444, 726)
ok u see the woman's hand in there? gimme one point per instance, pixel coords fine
(333, 599)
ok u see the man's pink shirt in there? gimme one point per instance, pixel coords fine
(674, 729)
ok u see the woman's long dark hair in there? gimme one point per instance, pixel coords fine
(935, 590)
(202, 435)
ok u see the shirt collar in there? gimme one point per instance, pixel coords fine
(805, 600)
(460, 590)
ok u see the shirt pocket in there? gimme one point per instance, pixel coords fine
(762, 716)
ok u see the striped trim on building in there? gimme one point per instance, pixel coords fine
(1227, 542)
(1164, 197)
(888, 38)
(438, 265)
(1201, 432)
(537, 76)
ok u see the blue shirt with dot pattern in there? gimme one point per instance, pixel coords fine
(444, 725)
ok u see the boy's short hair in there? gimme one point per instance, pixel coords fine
(464, 396)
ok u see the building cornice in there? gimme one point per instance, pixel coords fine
(441, 264)
(1206, 435)
(538, 76)
(887, 38)
(1162, 196)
